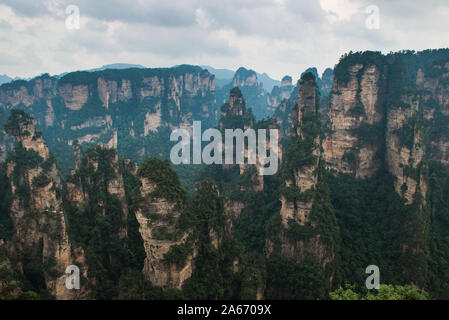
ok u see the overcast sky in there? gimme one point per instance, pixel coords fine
(275, 36)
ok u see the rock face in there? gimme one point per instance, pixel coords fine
(278, 94)
(303, 178)
(286, 81)
(284, 99)
(36, 209)
(436, 92)
(234, 108)
(156, 270)
(374, 123)
(158, 217)
(94, 107)
(244, 78)
(326, 81)
(252, 90)
(234, 115)
(6, 141)
(26, 93)
(74, 97)
(355, 104)
(99, 169)
(415, 133)
(284, 112)
(301, 238)
(404, 161)
(386, 125)
(388, 114)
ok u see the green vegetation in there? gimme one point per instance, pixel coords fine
(385, 292)
(352, 58)
(406, 133)
(166, 179)
(6, 225)
(353, 222)
(178, 254)
(438, 277)
(41, 180)
(17, 120)
(299, 153)
(97, 124)
(358, 109)
(133, 74)
(15, 287)
(287, 279)
(213, 277)
(97, 224)
(368, 133)
(24, 160)
(366, 208)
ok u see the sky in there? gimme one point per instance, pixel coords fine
(279, 37)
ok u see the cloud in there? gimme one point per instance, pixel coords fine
(274, 36)
(339, 10)
(27, 8)
(202, 18)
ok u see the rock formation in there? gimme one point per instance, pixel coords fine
(158, 217)
(94, 107)
(301, 184)
(36, 210)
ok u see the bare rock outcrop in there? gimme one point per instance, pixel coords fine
(36, 208)
(355, 103)
(158, 217)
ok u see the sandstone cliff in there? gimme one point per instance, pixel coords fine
(169, 248)
(39, 222)
(388, 114)
(356, 104)
(94, 107)
(234, 115)
(301, 184)
(306, 228)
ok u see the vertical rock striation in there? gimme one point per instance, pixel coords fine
(36, 209)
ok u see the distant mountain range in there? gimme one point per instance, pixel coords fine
(5, 79)
(224, 76)
(118, 66)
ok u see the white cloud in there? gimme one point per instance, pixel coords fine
(274, 36)
(203, 19)
(339, 10)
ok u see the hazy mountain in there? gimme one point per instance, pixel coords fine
(4, 79)
(268, 83)
(220, 73)
(117, 66)
(225, 76)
